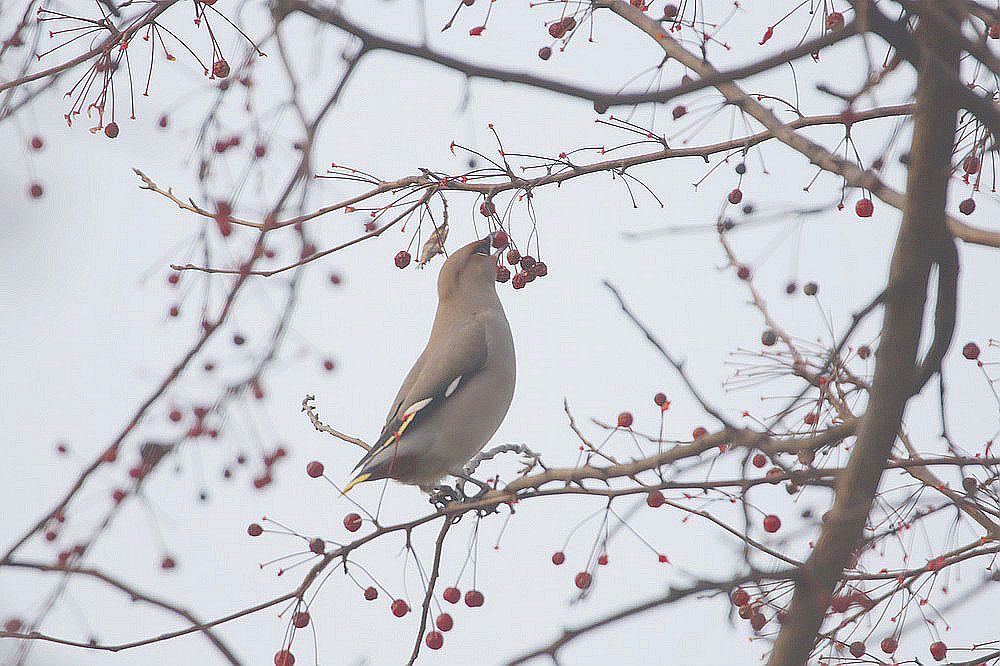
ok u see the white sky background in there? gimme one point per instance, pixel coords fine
(85, 337)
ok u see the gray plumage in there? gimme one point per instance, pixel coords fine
(460, 388)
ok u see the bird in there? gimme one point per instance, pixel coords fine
(459, 390)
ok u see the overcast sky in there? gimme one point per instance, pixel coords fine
(86, 337)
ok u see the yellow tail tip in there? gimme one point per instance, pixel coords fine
(360, 478)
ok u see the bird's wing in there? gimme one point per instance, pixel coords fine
(438, 373)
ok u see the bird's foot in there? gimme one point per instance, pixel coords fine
(442, 495)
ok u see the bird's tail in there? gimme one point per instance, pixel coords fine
(360, 478)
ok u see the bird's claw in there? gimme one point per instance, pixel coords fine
(442, 495)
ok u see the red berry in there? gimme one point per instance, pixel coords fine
(669, 11)
(260, 150)
(371, 594)
(939, 650)
(400, 608)
(328, 364)
(757, 621)
(857, 649)
(558, 557)
(971, 164)
(864, 207)
(36, 191)
(864, 351)
(519, 280)
(743, 273)
(582, 580)
(434, 640)
(889, 645)
(317, 546)
(37, 143)
(768, 338)
(545, 53)
(740, 597)
(51, 535)
(557, 30)
(402, 259)
(352, 522)
(175, 415)
(444, 622)
(315, 469)
(603, 559)
(163, 121)
(660, 399)
(220, 69)
(254, 530)
(967, 206)
(970, 351)
(759, 460)
(238, 339)
(167, 563)
(335, 278)
(735, 196)
(174, 311)
(487, 209)
(994, 30)
(474, 599)
(173, 278)
(13, 625)
(513, 256)
(663, 559)
(569, 22)
(772, 523)
(284, 658)
(300, 619)
(111, 130)
(810, 418)
(625, 420)
(503, 274)
(679, 111)
(834, 21)
(655, 499)
(452, 595)
(527, 262)
(118, 495)
(698, 432)
(500, 239)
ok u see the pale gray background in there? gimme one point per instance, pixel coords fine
(85, 337)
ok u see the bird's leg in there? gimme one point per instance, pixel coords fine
(441, 495)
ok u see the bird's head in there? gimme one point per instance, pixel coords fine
(470, 271)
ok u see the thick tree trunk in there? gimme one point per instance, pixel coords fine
(922, 240)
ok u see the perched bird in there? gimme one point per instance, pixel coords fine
(460, 388)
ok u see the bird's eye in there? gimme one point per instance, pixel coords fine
(482, 249)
